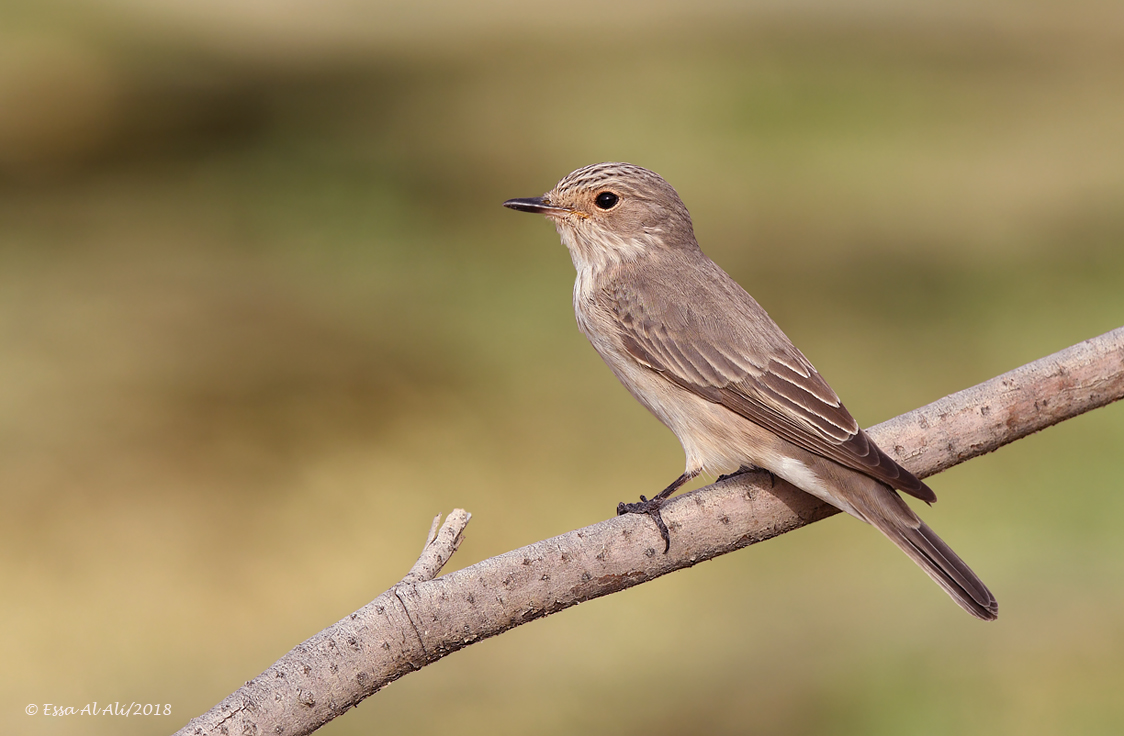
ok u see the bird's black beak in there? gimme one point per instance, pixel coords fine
(537, 205)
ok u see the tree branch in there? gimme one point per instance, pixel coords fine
(422, 619)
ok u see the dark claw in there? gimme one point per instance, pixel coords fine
(749, 469)
(740, 471)
(652, 509)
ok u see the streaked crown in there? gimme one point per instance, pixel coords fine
(618, 210)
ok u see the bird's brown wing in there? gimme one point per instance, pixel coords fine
(718, 343)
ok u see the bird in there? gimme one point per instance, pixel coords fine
(692, 346)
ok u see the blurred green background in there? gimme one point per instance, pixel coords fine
(262, 316)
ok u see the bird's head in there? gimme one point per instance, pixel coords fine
(613, 212)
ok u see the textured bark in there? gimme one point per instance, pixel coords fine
(422, 619)
(987, 416)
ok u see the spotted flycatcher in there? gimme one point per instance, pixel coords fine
(695, 349)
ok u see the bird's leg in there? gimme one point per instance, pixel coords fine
(652, 507)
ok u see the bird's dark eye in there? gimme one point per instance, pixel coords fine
(606, 200)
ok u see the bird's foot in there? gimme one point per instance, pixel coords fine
(651, 508)
(740, 471)
(749, 469)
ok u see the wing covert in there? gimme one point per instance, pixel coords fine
(761, 377)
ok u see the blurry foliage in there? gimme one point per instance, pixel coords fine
(261, 316)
